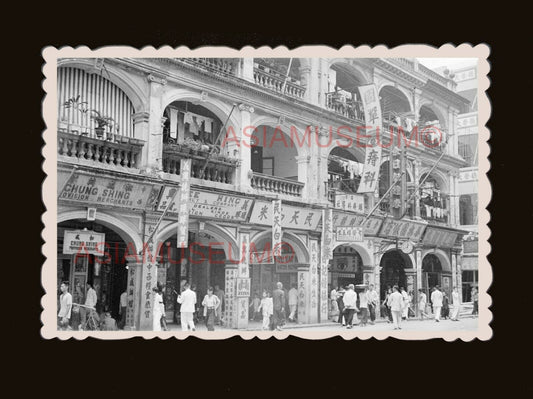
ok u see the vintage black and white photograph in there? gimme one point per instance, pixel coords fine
(266, 192)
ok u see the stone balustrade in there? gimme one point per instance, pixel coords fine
(226, 66)
(114, 150)
(275, 83)
(216, 170)
(276, 184)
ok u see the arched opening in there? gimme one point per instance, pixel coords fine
(433, 134)
(434, 199)
(344, 171)
(201, 264)
(345, 268)
(393, 264)
(342, 96)
(91, 105)
(431, 273)
(106, 269)
(192, 131)
(266, 269)
(273, 153)
(395, 107)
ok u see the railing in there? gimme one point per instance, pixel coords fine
(226, 66)
(275, 83)
(217, 170)
(115, 150)
(409, 64)
(275, 184)
(349, 109)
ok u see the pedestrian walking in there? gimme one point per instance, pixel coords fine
(278, 299)
(293, 302)
(122, 310)
(405, 309)
(456, 305)
(445, 311)
(436, 300)
(187, 299)
(350, 305)
(267, 309)
(373, 300)
(475, 301)
(422, 301)
(395, 303)
(386, 306)
(90, 303)
(65, 307)
(363, 306)
(254, 307)
(333, 305)
(340, 305)
(210, 304)
(158, 309)
(220, 295)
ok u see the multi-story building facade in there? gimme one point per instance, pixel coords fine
(184, 180)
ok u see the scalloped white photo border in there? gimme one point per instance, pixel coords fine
(49, 188)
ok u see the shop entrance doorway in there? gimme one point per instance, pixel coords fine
(393, 264)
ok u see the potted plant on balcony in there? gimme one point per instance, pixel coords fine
(101, 122)
(192, 145)
(76, 105)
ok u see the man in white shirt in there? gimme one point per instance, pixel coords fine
(422, 300)
(90, 302)
(187, 299)
(456, 305)
(122, 309)
(373, 300)
(293, 302)
(436, 300)
(65, 307)
(395, 303)
(405, 310)
(350, 305)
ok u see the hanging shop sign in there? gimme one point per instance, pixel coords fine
(439, 237)
(183, 221)
(393, 228)
(327, 235)
(209, 205)
(350, 202)
(83, 242)
(372, 110)
(243, 287)
(349, 234)
(292, 217)
(276, 227)
(99, 190)
(345, 219)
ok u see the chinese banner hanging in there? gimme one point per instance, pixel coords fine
(276, 227)
(183, 220)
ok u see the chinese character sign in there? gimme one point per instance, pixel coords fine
(292, 217)
(350, 202)
(276, 227)
(183, 221)
(83, 242)
(370, 177)
(327, 234)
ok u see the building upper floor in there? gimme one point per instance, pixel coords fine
(294, 129)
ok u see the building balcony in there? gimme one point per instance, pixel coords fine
(224, 66)
(218, 169)
(274, 81)
(111, 150)
(276, 185)
(342, 106)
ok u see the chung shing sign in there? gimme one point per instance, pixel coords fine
(83, 242)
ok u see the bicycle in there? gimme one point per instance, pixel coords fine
(93, 321)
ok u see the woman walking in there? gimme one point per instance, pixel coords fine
(210, 304)
(158, 309)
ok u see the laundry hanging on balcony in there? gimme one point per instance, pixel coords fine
(352, 167)
(198, 123)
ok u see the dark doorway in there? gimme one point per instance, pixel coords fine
(393, 265)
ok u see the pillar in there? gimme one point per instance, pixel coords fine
(416, 103)
(459, 276)
(377, 276)
(246, 69)
(154, 139)
(418, 266)
(245, 161)
(142, 131)
(324, 266)
(242, 301)
(318, 289)
(303, 174)
(454, 269)
(416, 176)
(323, 73)
(304, 294)
(133, 293)
(310, 77)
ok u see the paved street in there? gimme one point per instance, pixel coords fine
(464, 324)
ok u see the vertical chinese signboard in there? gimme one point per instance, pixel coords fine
(243, 275)
(229, 297)
(276, 228)
(326, 253)
(315, 278)
(183, 221)
(397, 195)
(148, 281)
(370, 177)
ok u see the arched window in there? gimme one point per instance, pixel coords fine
(83, 95)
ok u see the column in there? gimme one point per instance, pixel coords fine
(323, 137)
(454, 271)
(318, 290)
(416, 103)
(416, 176)
(324, 266)
(142, 131)
(459, 276)
(323, 72)
(377, 276)
(154, 139)
(243, 279)
(148, 278)
(310, 77)
(133, 293)
(245, 167)
(418, 261)
(246, 69)
(230, 314)
(303, 174)
(304, 294)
